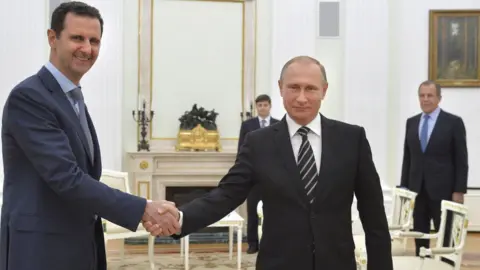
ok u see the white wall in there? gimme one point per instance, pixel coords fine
(24, 44)
(103, 84)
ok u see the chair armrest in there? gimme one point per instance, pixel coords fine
(395, 227)
(437, 251)
(411, 234)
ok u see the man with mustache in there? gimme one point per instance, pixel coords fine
(435, 161)
(308, 168)
(53, 202)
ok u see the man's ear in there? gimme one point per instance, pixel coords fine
(280, 87)
(52, 38)
(325, 87)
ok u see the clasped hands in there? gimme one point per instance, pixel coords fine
(161, 218)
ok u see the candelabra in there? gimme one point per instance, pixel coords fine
(248, 114)
(143, 120)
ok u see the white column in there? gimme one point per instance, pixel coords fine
(293, 34)
(366, 74)
(103, 85)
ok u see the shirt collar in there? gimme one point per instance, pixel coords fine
(267, 119)
(433, 115)
(315, 126)
(66, 84)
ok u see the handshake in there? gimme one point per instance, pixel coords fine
(161, 218)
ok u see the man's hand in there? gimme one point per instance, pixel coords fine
(161, 218)
(457, 197)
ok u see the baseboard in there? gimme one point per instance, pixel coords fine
(472, 200)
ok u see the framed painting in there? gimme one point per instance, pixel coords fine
(454, 48)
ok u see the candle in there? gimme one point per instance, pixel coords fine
(141, 101)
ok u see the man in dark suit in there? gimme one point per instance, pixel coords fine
(308, 168)
(435, 160)
(263, 104)
(53, 202)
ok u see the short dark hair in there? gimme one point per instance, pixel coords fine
(261, 98)
(57, 23)
(430, 82)
(304, 59)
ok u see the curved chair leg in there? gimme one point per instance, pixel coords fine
(122, 252)
(151, 251)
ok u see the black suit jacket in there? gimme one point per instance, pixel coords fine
(251, 125)
(443, 168)
(51, 188)
(296, 234)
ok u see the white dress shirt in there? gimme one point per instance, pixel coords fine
(267, 121)
(314, 137)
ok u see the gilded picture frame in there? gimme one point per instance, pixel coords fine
(454, 48)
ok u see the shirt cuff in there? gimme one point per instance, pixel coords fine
(180, 218)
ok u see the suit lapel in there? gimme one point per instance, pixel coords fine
(415, 133)
(97, 163)
(256, 123)
(285, 153)
(327, 160)
(60, 97)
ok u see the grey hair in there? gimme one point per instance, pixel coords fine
(304, 59)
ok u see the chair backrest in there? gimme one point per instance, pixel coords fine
(115, 179)
(458, 215)
(403, 203)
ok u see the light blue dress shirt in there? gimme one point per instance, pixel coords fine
(432, 120)
(66, 84)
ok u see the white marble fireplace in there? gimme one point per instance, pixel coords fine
(153, 172)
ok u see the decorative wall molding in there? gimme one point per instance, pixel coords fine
(145, 38)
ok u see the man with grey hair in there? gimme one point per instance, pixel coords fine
(435, 160)
(308, 169)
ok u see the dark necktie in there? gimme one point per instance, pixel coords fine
(77, 96)
(307, 165)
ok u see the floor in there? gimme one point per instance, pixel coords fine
(471, 257)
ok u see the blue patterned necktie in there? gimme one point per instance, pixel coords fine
(424, 133)
(77, 96)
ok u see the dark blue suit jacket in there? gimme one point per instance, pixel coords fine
(251, 125)
(51, 188)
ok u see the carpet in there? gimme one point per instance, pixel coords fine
(198, 261)
(220, 261)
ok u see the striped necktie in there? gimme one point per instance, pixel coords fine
(307, 165)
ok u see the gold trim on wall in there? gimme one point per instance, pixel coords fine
(243, 2)
(144, 183)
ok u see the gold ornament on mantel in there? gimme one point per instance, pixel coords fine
(198, 131)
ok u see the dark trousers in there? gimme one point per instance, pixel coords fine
(252, 219)
(426, 210)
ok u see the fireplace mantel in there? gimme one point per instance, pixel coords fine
(152, 172)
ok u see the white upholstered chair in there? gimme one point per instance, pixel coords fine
(119, 180)
(400, 220)
(453, 252)
(260, 219)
